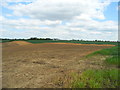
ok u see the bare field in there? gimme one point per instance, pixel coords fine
(27, 65)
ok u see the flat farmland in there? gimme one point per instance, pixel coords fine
(27, 65)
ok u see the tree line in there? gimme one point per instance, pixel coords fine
(35, 38)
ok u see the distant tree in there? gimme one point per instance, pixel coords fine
(73, 39)
(56, 39)
(33, 38)
(48, 39)
(81, 40)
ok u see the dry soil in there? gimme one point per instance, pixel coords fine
(27, 65)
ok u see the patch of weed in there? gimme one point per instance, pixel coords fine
(96, 79)
(113, 60)
(113, 54)
(107, 51)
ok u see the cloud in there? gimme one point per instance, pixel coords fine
(28, 22)
(64, 19)
(73, 30)
(60, 9)
(93, 25)
(95, 32)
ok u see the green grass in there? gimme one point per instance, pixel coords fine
(100, 78)
(113, 60)
(96, 79)
(113, 52)
(107, 51)
(3, 41)
(64, 41)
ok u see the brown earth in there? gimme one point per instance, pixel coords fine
(83, 44)
(28, 65)
(15, 43)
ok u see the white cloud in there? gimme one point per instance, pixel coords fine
(95, 32)
(71, 31)
(94, 25)
(29, 22)
(61, 9)
(64, 19)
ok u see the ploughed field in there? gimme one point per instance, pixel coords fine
(27, 65)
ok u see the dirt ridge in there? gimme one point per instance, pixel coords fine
(82, 44)
(15, 43)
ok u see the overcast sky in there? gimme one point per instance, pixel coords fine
(63, 19)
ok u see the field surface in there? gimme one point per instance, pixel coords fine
(64, 41)
(27, 65)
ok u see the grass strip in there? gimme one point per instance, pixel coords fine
(113, 54)
(96, 79)
(64, 41)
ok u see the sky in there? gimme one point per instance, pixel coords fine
(63, 19)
